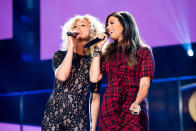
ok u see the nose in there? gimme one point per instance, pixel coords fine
(77, 29)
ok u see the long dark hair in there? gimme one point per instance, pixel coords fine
(131, 39)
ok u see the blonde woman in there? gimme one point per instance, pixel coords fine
(68, 106)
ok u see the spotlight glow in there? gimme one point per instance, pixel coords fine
(190, 52)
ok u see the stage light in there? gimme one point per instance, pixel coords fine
(27, 58)
(190, 52)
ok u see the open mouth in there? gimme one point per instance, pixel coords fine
(111, 32)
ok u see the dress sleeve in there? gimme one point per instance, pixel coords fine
(57, 59)
(102, 65)
(147, 64)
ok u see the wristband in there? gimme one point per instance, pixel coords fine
(96, 52)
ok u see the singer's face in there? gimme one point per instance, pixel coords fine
(82, 27)
(114, 28)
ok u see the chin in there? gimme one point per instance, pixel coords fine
(113, 38)
(83, 39)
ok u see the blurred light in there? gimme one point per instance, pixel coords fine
(27, 58)
(26, 19)
(30, 4)
(190, 52)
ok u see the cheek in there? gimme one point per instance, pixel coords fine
(120, 32)
(86, 33)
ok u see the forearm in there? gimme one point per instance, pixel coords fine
(63, 71)
(94, 109)
(95, 69)
(143, 90)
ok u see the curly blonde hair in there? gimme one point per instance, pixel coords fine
(96, 27)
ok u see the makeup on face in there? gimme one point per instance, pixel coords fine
(114, 28)
(82, 27)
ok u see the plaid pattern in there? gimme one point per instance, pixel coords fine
(121, 91)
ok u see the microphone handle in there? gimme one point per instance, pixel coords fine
(92, 42)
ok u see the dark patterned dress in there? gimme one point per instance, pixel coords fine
(68, 106)
(122, 88)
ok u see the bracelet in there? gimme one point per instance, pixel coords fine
(136, 103)
(136, 112)
(96, 52)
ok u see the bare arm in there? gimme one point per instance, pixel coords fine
(63, 71)
(95, 102)
(95, 74)
(143, 89)
(142, 93)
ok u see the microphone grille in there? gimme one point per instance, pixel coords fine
(69, 34)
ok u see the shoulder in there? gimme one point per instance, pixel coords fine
(144, 48)
(59, 54)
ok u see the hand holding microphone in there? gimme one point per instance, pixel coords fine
(72, 39)
(100, 38)
(73, 34)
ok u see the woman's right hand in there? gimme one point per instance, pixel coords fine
(72, 41)
(104, 38)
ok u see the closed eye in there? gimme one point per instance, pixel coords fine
(111, 23)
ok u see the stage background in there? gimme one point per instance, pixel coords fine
(26, 75)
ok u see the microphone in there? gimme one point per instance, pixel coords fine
(92, 42)
(72, 34)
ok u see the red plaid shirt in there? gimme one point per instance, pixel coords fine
(122, 88)
(119, 73)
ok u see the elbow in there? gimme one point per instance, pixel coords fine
(61, 78)
(145, 86)
(145, 82)
(93, 80)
